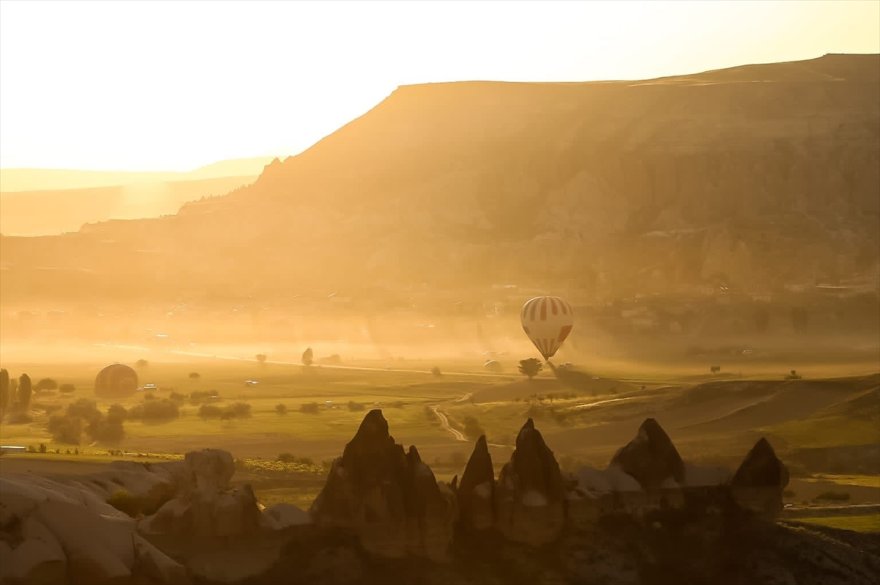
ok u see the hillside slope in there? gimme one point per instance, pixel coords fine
(754, 178)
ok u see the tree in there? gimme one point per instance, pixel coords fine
(280, 409)
(715, 369)
(24, 393)
(194, 376)
(435, 371)
(261, 357)
(530, 367)
(142, 363)
(308, 357)
(4, 390)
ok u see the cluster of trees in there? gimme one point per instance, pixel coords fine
(83, 417)
(228, 412)
(15, 395)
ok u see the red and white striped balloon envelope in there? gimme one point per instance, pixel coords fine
(547, 321)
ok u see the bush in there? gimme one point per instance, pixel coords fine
(291, 458)
(238, 410)
(355, 406)
(85, 409)
(65, 429)
(66, 388)
(46, 384)
(229, 412)
(281, 409)
(107, 430)
(155, 410)
(177, 397)
(310, 408)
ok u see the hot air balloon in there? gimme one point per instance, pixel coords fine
(547, 321)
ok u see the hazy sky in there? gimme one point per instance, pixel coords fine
(173, 85)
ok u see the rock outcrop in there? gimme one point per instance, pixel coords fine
(388, 498)
(476, 491)
(207, 506)
(651, 458)
(759, 481)
(59, 533)
(530, 495)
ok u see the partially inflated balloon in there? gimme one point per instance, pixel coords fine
(547, 321)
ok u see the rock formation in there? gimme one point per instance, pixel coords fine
(651, 458)
(206, 506)
(759, 481)
(476, 491)
(388, 498)
(52, 532)
(530, 495)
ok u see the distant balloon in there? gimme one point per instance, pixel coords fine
(547, 321)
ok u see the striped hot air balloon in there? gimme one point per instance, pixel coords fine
(547, 321)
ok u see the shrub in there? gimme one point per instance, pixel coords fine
(66, 388)
(194, 376)
(177, 397)
(65, 429)
(46, 384)
(291, 458)
(84, 408)
(355, 406)
(435, 371)
(156, 410)
(281, 409)
(117, 412)
(310, 408)
(106, 430)
(229, 412)
(142, 363)
(261, 357)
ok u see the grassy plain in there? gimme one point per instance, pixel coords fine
(584, 418)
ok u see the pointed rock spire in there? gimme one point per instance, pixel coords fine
(761, 468)
(530, 493)
(476, 492)
(650, 458)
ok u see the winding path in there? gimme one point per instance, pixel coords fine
(444, 422)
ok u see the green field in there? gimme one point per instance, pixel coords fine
(858, 523)
(584, 419)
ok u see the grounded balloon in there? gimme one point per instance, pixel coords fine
(547, 321)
